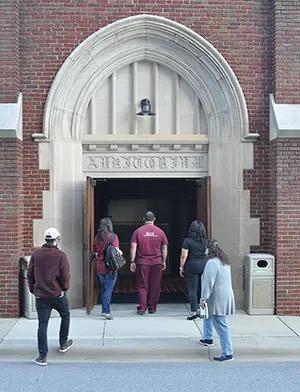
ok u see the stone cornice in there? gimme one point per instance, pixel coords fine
(11, 119)
(138, 147)
(145, 139)
(39, 137)
(252, 137)
(284, 120)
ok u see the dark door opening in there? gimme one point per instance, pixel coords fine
(124, 201)
(176, 203)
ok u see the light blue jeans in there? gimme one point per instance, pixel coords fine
(108, 282)
(222, 328)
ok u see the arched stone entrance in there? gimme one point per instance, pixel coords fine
(65, 145)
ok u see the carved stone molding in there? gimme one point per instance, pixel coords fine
(151, 38)
(126, 163)
(143, 147)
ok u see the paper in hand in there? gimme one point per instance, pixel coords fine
(204, 312)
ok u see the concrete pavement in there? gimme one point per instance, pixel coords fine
(164, 336)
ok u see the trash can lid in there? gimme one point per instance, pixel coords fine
(24, 261)
(260, 256)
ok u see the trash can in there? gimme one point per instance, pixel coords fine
(259, 283)
(27, 299)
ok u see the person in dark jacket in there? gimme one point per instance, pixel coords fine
(48, 278)
(192, 262)
(107, 278)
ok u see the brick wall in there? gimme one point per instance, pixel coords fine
(241, 31)
(11, 203)
(286, 51)
(285, 161)
(9, 50)
(286, 223)
(11, 220)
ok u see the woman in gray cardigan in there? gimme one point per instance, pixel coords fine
(218, 294)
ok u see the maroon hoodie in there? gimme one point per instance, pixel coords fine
(48, 272)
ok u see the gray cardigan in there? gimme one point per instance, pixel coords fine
(217, 289)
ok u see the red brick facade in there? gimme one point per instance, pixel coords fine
(9, 50)
(258, 38)
(11, 212)
(285, 222)
(286, 51)
(285, 162)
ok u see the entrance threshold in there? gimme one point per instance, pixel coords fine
(173, 290)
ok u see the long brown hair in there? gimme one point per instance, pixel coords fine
(105, 227)
(215, 251)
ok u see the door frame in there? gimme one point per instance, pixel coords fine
(204, 197)
(90, 256)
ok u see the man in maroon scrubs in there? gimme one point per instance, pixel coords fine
(148, 254)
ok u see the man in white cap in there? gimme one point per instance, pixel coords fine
(49, 279)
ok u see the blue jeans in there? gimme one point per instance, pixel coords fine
(44, 308)
(108, 282)
(222, 328)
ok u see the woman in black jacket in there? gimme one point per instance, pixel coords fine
(192, 262)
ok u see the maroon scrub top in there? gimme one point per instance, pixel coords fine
(149, 239)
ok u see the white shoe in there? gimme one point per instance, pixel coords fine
(107, 316)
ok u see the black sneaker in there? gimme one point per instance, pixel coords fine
(207, 342)
(66, 346)
(41, 360)
(223, 358)
(193, 317)
(151, 311)
(141, 312)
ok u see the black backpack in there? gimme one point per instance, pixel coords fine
(113, 259)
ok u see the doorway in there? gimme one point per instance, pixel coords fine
(175, 202)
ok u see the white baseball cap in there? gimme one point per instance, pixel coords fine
(51, 234)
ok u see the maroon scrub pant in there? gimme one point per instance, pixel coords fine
(148, 279)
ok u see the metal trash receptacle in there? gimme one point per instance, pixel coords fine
(28, 309)
(259, 283)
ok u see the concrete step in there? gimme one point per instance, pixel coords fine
(154, 350)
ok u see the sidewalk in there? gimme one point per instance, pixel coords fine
(164, 336)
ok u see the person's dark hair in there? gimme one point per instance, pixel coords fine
(49, 241)
(105, 227)
(215, 251)
(197, 231)
(149, 216)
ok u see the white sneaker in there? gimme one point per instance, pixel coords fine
(107, 316)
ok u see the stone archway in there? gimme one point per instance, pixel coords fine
(172, 45)
(151, 38)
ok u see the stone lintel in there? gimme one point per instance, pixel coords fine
(39, 137)
(252, 137)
